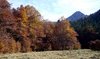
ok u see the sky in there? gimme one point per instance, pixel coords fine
(54, 9)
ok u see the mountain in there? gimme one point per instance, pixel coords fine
(77, 15)
(88, 28)
(91, 20)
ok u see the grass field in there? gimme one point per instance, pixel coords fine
(66, 54)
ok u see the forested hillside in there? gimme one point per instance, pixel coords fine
(88, 30)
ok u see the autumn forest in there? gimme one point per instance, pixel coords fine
(23, 29)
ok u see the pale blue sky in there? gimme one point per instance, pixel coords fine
(54, 9)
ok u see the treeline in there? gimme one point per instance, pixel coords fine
(88, 29)
(24, 30)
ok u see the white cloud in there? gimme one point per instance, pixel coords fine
(50, 16)
(75, 5)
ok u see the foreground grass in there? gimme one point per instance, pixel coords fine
(66, 54)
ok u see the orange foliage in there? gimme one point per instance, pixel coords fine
(22, 30)
(65, 36)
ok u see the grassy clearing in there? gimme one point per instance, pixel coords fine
(66, 54)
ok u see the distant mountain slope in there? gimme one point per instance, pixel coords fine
(91, 20)
(77, 15)
(88, 28)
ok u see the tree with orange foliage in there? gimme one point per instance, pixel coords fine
(8, 44)
(65, 36)
(24, 21)
(35, 23)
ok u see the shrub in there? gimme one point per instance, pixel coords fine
(95, 45)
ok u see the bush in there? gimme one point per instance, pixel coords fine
(95, 45)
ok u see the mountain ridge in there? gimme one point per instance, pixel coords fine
(75, 16)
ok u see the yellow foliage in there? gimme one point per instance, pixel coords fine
(24, 21)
